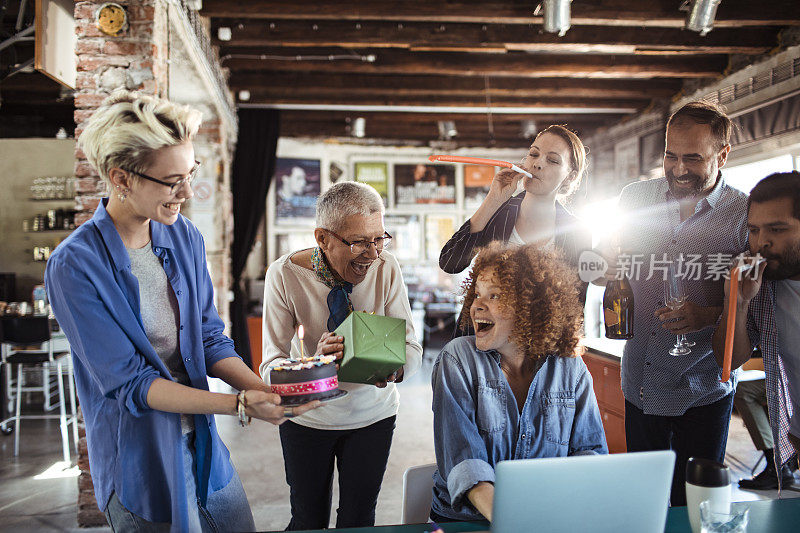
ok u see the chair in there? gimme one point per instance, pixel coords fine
(417, 494)
(17, 335)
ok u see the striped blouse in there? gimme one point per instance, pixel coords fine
(571, 238)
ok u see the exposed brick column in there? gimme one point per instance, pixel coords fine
(135, 59)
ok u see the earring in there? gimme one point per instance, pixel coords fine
(123, 194)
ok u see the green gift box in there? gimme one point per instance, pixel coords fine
(374, 347)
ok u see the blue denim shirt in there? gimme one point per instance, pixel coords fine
(133, 449)
(476, 421)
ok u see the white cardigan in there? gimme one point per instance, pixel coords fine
(293, 295)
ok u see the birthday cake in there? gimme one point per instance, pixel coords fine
(299, 381)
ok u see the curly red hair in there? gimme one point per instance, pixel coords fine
(541, 292)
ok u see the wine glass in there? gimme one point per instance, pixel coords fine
(675, 297)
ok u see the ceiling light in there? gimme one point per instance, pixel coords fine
(244, 95)
(224, 33)
(359, 127)
(447, 129)
(701, 17)
(528, 129)
(556, 16)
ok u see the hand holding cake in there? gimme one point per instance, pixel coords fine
(267, 406)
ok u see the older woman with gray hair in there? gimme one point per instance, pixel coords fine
(318, 287)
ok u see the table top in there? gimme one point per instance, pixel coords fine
(766, 516)
(608, 347)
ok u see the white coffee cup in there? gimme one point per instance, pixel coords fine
(706, 480)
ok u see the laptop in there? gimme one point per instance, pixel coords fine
(592, 493)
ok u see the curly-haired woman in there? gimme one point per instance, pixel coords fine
(515, 389)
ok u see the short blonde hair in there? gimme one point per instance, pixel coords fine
(128, 127)
(345, 199)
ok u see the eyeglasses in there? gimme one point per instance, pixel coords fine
(173, 186)
(359, 247)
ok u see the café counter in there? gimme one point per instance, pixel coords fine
(603, 357)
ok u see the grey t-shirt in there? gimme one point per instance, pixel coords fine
(160, 317)
(787, 317)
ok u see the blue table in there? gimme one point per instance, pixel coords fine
(766, 516)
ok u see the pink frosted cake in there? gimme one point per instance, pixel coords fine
(300, 381)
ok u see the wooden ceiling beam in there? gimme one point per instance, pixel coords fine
(298, 96)
(321, 117)
(652, 13)
(392, 61)
(453, 85)
(455, 36)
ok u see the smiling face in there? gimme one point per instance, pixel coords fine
(692, 159)
(550, 161)
(775, 234)
(491, 320)
(346, 265)
(154, 201)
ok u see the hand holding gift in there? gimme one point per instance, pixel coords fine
(375, 349)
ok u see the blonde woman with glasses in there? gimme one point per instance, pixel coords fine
(132, 292)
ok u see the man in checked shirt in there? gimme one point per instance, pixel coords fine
(768, 311)
(678, 402)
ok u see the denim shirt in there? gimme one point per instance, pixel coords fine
(134, 450)
(476, 421)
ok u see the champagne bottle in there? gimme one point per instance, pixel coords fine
(618, 309)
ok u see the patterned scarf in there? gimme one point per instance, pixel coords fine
(338, 300)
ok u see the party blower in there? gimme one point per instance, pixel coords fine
(733, 293)
(479, 161)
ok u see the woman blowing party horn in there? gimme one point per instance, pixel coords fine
(555, 163)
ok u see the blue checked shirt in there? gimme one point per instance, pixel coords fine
(762, 329)
(652, 379)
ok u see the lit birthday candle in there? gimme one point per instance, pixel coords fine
(300, 335)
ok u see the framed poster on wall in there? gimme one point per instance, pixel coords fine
(406, 232)
(424, 184)
(291, 242)
(438, 230)
(477, 180)
(297, 186)
(376, 175)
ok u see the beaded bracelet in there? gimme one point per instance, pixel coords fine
(241, 406)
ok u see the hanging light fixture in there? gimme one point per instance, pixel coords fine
(528, 129)
(224, 33)
(701, 16)
(556, 16)
(359, 128)
(447, 129)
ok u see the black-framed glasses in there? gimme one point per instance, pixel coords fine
(359, 247)
(175, 185)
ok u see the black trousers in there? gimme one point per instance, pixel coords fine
(360, 456)
(699, 432)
